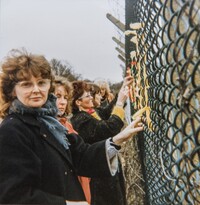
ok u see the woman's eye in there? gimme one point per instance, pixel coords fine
(41, 83)
(26, 84)
(58, 96)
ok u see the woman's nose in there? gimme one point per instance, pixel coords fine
(63, 101)
(35, 88)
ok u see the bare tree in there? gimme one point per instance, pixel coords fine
(64, 68)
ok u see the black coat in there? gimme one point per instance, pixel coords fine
(36, 169)
(104, 190)
(105, 111)
(93, 130)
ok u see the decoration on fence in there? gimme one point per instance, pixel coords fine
(136, 98)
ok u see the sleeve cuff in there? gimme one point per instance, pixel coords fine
(112, 157)
(95, 115)
(119, 111)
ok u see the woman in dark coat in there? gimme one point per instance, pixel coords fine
(62, 89)
(90, 126)
(39, 160)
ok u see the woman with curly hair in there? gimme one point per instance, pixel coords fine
(93, 126)
(63, 92)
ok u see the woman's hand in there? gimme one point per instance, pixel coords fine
(132, 129)
(124, 91)
(128, 80)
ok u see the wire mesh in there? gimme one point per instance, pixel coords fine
(164, 49)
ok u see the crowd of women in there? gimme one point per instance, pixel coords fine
(59, 140)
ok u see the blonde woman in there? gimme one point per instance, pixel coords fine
(106, 95)
(63, 92)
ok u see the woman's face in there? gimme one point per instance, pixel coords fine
(97, 99)
(85, 102)
(33, 92)
(62, 97)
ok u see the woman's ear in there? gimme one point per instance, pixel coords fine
(78, 103)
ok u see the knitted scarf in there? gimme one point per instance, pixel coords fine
(46, 115)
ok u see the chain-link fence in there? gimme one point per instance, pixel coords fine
(162, 52)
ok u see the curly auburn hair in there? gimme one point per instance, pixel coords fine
(79, 87)
(20, 65)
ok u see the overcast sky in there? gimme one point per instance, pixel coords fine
(73, 30)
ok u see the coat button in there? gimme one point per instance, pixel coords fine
(44, 135)
(65, 173)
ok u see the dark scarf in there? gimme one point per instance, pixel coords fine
(46, 115)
